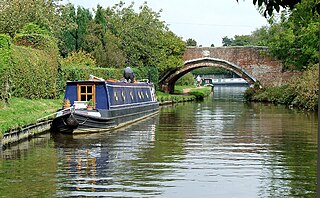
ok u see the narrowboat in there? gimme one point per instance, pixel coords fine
(115, 104)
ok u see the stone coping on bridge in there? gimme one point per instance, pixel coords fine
(247, 46)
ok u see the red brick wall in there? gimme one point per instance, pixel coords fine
(255, 60)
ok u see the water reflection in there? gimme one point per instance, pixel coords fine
(29, 169)
(221, 147)
(106, 164)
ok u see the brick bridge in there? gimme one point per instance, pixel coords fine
(251, 63)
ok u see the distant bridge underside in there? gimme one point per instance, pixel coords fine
(250, 63)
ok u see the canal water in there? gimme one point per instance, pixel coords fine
(221, 147)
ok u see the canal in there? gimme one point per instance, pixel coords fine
(221, 147)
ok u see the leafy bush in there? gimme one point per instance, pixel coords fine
(80, 58)
(82, 73)
(306, 89)
(32, 28)
(300, 92)
(26, 72)
(198, 94)
(165, 97)
(150, 73)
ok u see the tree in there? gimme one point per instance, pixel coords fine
(17, 13)
(191, 42)
(73, 28)
(100, 17)
(270, 5)
(102, 44)
(67, 33)
(260, 36)
(145, 39)
(294, 37)
(84, 17)
(226, 41)
(238, 40)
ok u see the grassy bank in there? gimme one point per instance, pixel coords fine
(173, 98)
(193, 93)
(21, 112)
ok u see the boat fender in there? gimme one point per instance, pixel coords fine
(72, 122)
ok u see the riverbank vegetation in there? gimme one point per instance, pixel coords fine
(300, 92)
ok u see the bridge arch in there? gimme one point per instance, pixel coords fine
(167, 81)
(252, 63)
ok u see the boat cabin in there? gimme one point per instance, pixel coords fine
(109, 94)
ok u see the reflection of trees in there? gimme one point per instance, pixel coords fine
(284, 139)
(292, 156)
(156, 161)
(28, 169)
(287, 142)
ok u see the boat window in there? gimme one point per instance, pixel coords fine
(123, 96)
(147, 94)
(86, 92)
(131, 95)
(89, 89)
(115, 96)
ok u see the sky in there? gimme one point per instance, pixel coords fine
(206, 21)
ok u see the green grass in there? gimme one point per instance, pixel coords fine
(164, 97)
(20, 112)
(178, 91)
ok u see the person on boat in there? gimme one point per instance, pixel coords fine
(198, 81)
(128, 74)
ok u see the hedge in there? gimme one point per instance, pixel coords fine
(5, 65)
(27, 72)
(37, 41)
(34, 73)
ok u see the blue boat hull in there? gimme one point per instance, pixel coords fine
(85, 121)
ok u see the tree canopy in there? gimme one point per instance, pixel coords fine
(274, 5)
(191, 42)
(116, 36)
(16, 13)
